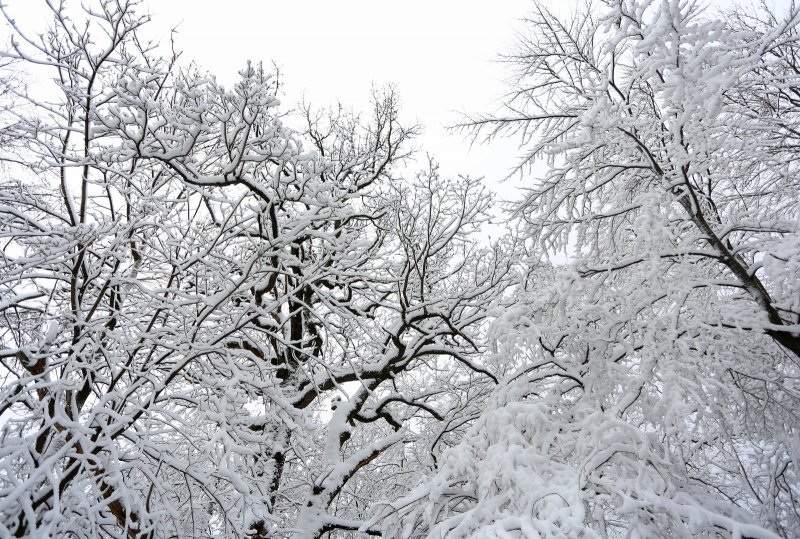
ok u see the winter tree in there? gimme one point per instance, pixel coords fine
(213, 324)
(650, 384)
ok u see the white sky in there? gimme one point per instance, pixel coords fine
(440, 54)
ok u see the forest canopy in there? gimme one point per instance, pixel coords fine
(226, 316)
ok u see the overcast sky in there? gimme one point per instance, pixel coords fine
(441, 55)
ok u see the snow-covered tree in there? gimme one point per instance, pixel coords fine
(653, 382)
(216, 325)
(213, 324)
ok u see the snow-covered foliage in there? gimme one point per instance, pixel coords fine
(651, 383)
(615, 422)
